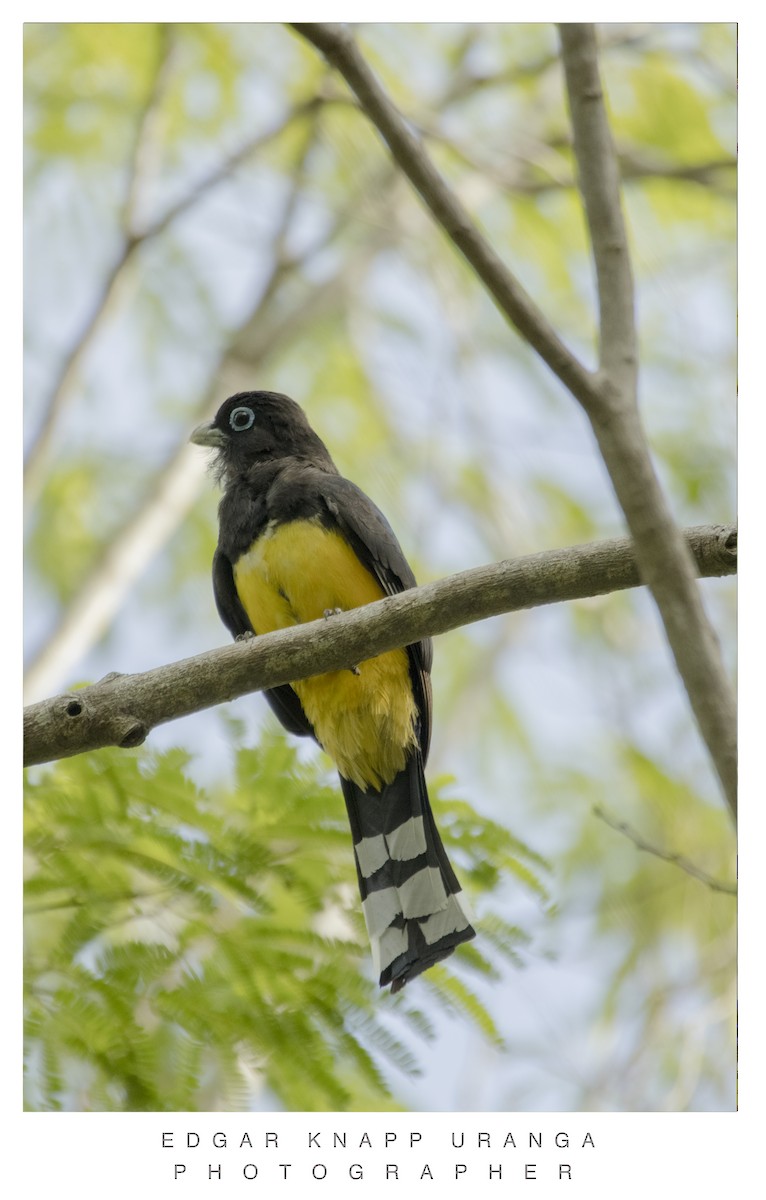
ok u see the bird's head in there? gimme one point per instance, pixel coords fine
(256, 427)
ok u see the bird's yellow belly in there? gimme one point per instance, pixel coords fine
(294, 573)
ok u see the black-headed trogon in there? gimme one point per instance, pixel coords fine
(297, 542)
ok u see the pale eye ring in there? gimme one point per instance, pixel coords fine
(241, 419)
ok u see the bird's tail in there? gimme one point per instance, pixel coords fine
(411, 898)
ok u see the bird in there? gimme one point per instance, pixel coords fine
(297, 542)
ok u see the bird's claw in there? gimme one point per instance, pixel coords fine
(334, 612)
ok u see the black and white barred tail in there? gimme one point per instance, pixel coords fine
(411, 898)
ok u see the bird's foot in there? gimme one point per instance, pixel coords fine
(244, 637)
(333, 612)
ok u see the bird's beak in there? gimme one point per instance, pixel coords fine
(208, 435)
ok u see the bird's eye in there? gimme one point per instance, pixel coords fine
(241, 418)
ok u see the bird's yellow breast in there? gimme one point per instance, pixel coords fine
(295, 572)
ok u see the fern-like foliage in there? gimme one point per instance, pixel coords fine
(199, 951)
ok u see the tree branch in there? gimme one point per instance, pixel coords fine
(59, 395)
(664, 560)
(599, 182)
(121, 710)
(148, 136)
(620, 38)
(609, 395)
(530, 177)
(66, 380)
(339, 48)
(669, 856)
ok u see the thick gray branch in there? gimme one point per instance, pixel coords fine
(664, 561)
(599, 181)
(121, 710)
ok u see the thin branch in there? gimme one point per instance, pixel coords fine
(160, 510)
(339, 48)
(63, 386)
(609, 395)
(530, 177)
(466, 85)
(148, 131)
(65, 383)
(121, 710)
(635, 165)
(669, 856)
(231, 163)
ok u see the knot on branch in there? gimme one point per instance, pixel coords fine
(85, 716)
(723, 548)
(134, 733)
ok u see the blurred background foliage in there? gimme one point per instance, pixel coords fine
(207, 211)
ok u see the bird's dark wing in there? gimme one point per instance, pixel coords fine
(374, 542)
(282, 699)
